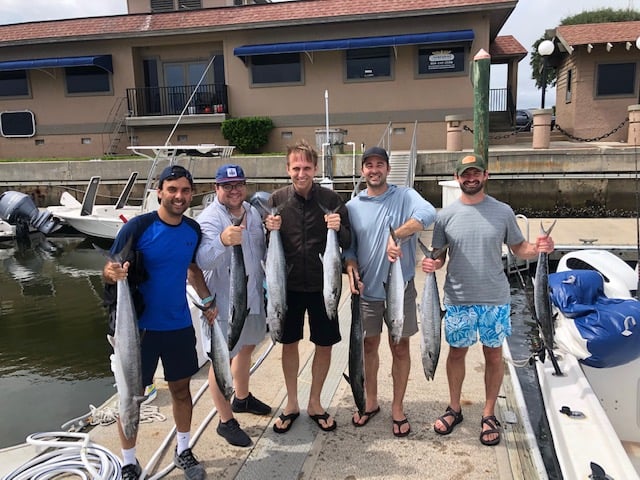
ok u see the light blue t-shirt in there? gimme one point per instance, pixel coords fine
(370, 219)
(475, 234)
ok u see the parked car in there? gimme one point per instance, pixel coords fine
(524, 120)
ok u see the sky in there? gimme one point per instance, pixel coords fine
(527, 23)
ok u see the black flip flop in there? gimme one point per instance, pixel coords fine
(324, 416)
(399, 424)
(368, 415)
(284, 418)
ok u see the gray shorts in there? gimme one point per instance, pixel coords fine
(373, 313)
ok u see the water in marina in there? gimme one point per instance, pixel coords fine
(53, 350)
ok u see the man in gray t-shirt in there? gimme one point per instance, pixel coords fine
(476, 290)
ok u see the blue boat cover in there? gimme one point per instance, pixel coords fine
(609, 325)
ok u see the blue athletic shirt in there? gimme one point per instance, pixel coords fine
(167, 251)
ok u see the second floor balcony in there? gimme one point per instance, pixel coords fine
(159, 105)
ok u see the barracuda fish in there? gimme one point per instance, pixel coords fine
(356, 357)
(127, 364)
(331, 270)
(541, 298)
(430, 317)
(238, 309)
(275, 269)
(395, 286)
(218, 349)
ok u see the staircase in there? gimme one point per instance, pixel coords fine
(116, 118)
(400, 165)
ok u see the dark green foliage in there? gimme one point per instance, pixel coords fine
(248, 134)
(602, 15)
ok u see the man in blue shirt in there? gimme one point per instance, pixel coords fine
(163, 248)
(368, 260)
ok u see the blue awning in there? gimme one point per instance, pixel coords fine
(102, 61)
(350, 43)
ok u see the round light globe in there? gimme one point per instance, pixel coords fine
(638, 43)
(546, 47)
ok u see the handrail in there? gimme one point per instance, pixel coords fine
(413, 157)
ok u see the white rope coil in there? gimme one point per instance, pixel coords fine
(69, 454)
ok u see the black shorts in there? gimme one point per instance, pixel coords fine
(176, 348)
(324, 332)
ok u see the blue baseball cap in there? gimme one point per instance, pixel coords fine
(230, 173)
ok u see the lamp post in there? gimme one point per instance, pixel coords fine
(545, 48)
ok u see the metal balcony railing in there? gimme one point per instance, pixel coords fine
(157, 101)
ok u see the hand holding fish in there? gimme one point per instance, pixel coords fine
(232, 235)
(544, 244)
(355, 284)
(114, 271)
(333, 221)
(394, 250)
(273, 222)
(430, 265)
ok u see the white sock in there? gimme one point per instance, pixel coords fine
(183, 441)
(129, 456)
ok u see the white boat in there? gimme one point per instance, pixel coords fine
(104, 221)
(593, 413)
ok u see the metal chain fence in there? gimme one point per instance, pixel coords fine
(560, 129)
(592, 139)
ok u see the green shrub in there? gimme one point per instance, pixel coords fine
(248, 134)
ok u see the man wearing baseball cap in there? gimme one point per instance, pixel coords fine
(219, 235)
(162, 257)
(368, 262)
(476, 289)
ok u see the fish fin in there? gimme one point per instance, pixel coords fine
(111, 340)
(346, 377)
(264, 266)
(140, 398)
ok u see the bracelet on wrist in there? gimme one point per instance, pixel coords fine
(206, 300)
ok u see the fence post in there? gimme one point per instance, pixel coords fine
(633, 137)
(541, 128)
(454, 132)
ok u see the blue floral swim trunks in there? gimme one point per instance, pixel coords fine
(464, 323)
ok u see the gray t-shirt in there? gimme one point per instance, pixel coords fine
(475, 234)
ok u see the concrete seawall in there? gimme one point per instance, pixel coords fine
(568, 174)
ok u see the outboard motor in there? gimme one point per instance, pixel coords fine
(18, 209)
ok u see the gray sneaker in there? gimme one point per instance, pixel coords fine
(189, 465)
(131, 471)
(232, 433)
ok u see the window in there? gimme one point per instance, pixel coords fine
(366, 63)
(433, 60)
(158, 6)
(17, 124)
(615, 79)
(13, 83)
(278, 68)
(87, 80)
(567, 95)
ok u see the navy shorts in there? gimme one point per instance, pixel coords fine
(324, 331)
(176, 349)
